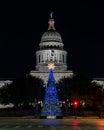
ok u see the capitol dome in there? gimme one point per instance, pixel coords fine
(51, 52)
(51, 36)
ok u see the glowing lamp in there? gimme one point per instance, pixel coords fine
(75, 103)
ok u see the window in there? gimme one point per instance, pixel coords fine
(39, 58)
(63, 58)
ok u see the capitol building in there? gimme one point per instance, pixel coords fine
(51, 51)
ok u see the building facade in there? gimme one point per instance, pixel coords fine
(51, 51)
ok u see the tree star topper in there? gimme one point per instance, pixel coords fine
(51, 66)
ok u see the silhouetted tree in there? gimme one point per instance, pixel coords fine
(22, 91)
(80, 87)
(4, 95)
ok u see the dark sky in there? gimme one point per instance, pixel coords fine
(81, 26)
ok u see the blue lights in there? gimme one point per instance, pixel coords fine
(51, 106)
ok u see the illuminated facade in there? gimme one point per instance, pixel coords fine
(51, 51)
(99, 81)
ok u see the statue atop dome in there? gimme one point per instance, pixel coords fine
(51, 22)
(51, 14)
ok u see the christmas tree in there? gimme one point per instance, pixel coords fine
(51, 106)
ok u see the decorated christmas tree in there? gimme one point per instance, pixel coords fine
(51, 106)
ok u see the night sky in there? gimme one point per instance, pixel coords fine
(81, 26)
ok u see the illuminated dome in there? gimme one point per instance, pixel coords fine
(51, 36)
(51, 55)
(51, 50)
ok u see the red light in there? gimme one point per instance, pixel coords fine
(75, 123)
(75, 103)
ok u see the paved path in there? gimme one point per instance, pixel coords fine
(55, 124)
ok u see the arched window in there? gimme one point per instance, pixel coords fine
(60, 58)
(63, 59)
(39, 58)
